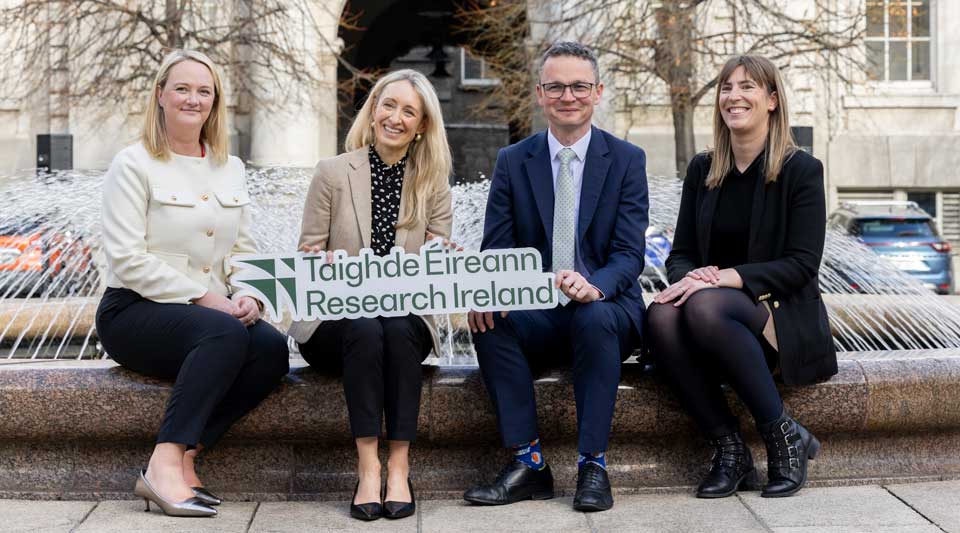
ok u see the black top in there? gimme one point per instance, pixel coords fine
(731, 221)
(386, 184)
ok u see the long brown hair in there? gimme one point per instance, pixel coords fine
(779, 146)
(214, 131)
(430, 162)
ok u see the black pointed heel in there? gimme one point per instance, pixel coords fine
(394, 510)
(364, 511)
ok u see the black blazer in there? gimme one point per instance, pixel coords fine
(787, 228)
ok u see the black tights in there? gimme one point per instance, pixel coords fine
(715, 336)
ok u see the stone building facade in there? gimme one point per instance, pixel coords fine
(892, 133)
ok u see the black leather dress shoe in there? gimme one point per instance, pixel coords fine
(394, 510)
(364, 511)
(515, 483)
(593, 489)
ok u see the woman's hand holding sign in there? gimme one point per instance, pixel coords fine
(446, 243)
(478, 321)
(482, 320)
(316, 250)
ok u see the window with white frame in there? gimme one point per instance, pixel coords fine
(898, 40)
(473, 70)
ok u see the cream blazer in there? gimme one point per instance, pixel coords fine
(170, 227)
(337, 216)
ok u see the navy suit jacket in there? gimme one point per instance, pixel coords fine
(613, 212)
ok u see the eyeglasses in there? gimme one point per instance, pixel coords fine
(580, 89)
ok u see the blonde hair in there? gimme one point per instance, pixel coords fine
(214, 131)
(779, 146)
(429, 162)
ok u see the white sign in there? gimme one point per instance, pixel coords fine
(435, 281)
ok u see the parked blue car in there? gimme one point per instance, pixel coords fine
(902, 233)
(654, 276)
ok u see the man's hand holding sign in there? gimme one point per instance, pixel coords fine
(570, 283)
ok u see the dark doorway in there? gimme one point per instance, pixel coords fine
(422, 35)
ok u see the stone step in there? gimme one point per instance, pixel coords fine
(81, 429)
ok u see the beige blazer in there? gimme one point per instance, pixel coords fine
(170, 227)
(337, 216)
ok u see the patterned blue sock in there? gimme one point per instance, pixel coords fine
(530, 454)
(600, 459)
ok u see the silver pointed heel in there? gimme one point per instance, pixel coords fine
(191, 507)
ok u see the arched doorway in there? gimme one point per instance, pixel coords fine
(379, 36)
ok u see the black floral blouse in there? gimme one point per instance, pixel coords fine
(386, 183)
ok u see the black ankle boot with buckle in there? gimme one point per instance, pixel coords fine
(732, 468)
(789, 446)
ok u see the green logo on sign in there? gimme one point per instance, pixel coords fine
(281, 276)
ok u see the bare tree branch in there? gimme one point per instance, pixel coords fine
(672, 48)
(112, 48)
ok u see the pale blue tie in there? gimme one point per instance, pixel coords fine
(564, 225)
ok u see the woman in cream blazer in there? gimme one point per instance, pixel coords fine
(175, 208)
(390, 189)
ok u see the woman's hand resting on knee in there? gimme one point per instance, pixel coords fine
(248, 311)
(708, 277)
(682, 290)
(219, 302)
(710, 274)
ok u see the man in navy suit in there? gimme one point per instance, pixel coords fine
(578, 195)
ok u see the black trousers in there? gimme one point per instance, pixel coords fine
(222, 370)
(381, 362)
(716, 336)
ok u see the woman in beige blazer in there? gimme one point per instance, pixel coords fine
(175, 208)
(390, 189)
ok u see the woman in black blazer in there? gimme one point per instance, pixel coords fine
(744, 301)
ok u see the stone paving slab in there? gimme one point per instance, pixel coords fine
(938, 501)
(556, 515)
(915, 508)
(676, 512)
(17, 516)
(846, 508)
(126, 516)
(929, 528)
(319, 516)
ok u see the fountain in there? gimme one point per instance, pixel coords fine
(48, 312)
(894, 395)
